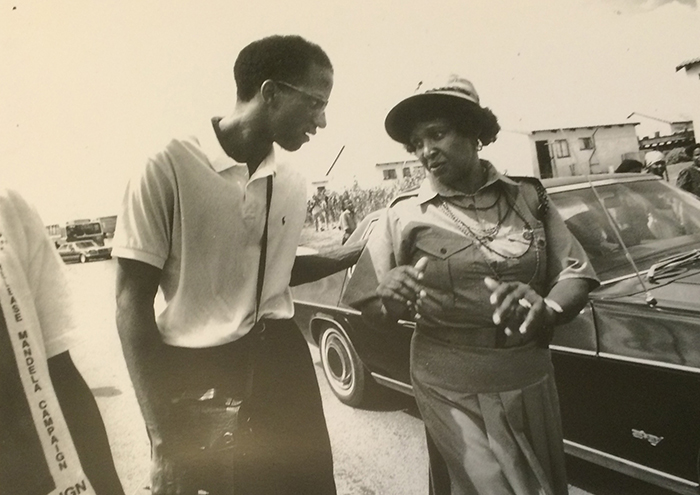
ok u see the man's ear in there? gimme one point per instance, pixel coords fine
(268, 91)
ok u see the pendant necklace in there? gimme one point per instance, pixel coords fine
(485, 238)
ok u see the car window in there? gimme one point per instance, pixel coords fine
(652, 218)
(85, 244)
(370, 227)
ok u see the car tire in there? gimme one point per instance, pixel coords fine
(83, 258)
(345, 373)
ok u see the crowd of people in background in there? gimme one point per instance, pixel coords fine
(325, 208)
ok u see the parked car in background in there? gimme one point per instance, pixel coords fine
(627, 368)
(83, 251)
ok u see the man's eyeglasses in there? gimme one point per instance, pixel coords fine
(318, 104)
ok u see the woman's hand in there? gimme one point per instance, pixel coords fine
(519, 306)
(401, 290)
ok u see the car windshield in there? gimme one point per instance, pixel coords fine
(654, 220)
(85, 244)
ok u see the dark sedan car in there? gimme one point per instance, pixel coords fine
(83, 251)
(627, 368)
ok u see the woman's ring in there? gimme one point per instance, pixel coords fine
(525, 303)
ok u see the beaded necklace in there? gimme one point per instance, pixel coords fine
(489, 232)
(486, 237)
(483, 234)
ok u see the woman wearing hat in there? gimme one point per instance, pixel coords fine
(689, 178)
(656, 164)
(487, 269)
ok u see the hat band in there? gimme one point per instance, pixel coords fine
(456, 89)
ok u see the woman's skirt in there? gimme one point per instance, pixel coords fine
(492, 418)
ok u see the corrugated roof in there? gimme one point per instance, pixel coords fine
(688, 63)
(589, 126)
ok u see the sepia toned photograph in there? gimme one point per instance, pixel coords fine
(352, 248)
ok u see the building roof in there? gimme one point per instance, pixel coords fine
(688, 63)
(410, 162)
(571, 128)
(676, 119)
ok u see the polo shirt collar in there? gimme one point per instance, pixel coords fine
(430, 188)
(220, 161)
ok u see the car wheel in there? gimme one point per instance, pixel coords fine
(344, 371)
(83, 259)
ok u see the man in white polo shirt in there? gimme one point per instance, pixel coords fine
(214, 221)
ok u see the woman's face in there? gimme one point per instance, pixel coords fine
(446, 154)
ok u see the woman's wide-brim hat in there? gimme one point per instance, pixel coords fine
(653, 157)
(454, 92)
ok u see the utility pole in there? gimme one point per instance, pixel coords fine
(336, 159)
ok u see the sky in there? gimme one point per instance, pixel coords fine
(88, 89)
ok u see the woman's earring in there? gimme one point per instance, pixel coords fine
(479, 146)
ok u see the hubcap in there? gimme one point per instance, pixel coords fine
(338, 363)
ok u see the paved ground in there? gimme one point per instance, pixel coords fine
(102, 364)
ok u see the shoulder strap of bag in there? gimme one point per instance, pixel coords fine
(535, 195)
(263, 250)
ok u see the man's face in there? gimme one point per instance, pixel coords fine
(696, 156)
(301, 108)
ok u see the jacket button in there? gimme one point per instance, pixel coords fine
(443, 250)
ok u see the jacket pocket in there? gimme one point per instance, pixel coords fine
(441, 252)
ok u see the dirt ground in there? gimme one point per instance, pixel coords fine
(320, 239)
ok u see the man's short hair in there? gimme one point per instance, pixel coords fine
(282, 58)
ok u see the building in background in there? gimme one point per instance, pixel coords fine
(692, 70)
(391, 172)
(544, 153)
(667, 142)
(662, 134)
(318, 186)
(594, 149)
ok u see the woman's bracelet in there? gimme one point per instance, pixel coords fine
(555, 307)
